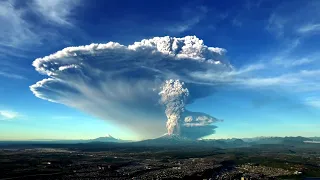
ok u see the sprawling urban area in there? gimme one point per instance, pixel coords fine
(98, 160)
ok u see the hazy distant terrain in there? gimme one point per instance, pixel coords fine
(167, 140)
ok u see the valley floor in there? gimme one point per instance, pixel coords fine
(278, 162)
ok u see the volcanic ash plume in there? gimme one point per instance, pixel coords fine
(174, 95)
(121, 84)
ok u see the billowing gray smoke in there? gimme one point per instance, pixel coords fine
(174, 96)
(124, 84)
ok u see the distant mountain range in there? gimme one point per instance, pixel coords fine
(104, 139)
(279, 140)
(107, 138)
(176, 140)
(167, 140)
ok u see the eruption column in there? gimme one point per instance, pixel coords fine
(173, 95)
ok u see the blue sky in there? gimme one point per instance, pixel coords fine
(272, 45)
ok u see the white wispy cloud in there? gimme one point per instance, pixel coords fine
(11, 75)
(18, 31)
(265, 75)
(269, 81)
(313, 101)
(299, 80)
(184, 26)
(309, 28)
(236, 22)
(286, 21)
(276, 24)
(190, 18)
(301, 61)
(56, 11)
(228, 77)
(19, 35)
(250, 68)
(15, 30)
(8, 115)
(293, 63)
